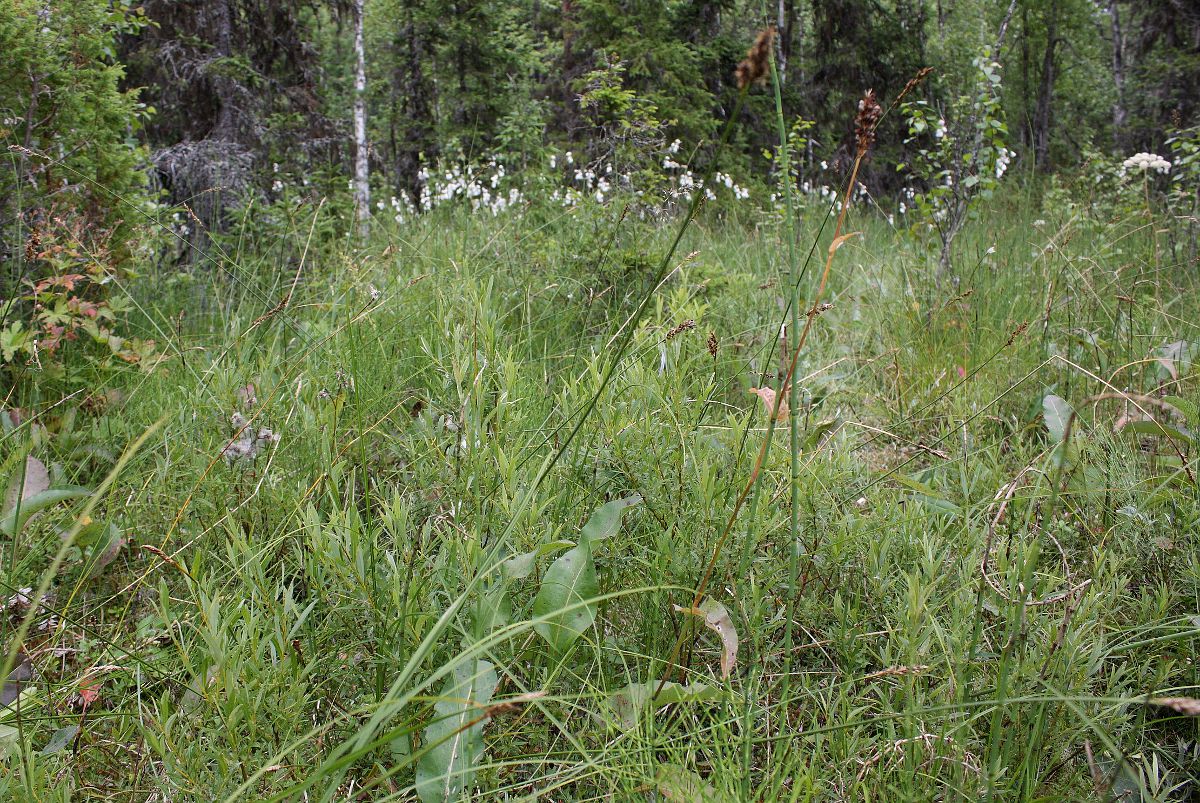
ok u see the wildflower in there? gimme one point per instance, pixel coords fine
(1146, 162)
(246, 442)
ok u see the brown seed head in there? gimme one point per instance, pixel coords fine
(712, 344)
(758, 59)
(681, 328)
(912, 84)
(868, 116)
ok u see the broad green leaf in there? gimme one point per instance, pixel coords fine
(569, 581)
(10, 740)
(60, 739)
(493, 610)
(1187, 409)
(624, 708)
(606, 521)
(676, 783)
(520, 566)
(27, 482)
(1161, 430)
(447, 770)
(818, 432)
(927, 496)
(1057, 413)
(14, 520)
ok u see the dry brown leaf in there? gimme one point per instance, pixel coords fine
(716, 618)
(768, 399)
(115, 544)
(512, 704)
(1188, 706)
(89, 691)
(21, 674)
(838, 242)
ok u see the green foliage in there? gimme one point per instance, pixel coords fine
(960, 155)
(72, 188)
(566, 599)
(454, 741)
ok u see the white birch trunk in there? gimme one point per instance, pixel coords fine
(362, 185)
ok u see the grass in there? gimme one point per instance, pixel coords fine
(303, 624)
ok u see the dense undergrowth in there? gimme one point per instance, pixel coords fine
(997, 544)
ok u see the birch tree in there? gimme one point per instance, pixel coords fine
(362, 184)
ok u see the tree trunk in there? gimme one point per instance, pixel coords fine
(1118, 69)
(1026, 100)
(226, 92)
(412, 107)
(362, 185)
(785, 20)
(1003, 32)
(1043, 115)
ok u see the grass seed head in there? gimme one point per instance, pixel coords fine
(758, 59)
(681, 328)
(869, 113)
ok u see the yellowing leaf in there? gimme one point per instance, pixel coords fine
(716, 618)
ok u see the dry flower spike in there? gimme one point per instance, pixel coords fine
(758, 59)
(865, 122)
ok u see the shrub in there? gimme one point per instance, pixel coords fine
(71, 187)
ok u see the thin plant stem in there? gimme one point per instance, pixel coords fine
(793, 391)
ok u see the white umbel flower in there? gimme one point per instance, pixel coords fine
(1147, 162)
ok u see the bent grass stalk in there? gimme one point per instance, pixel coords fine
(702, 586)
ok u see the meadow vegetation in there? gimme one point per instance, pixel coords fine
(586, 483)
